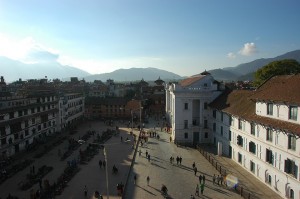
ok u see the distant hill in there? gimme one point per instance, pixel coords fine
(13, 70)
(245, 71)
(224, 75)
(134, 74)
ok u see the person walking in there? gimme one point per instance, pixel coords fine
(85, 190)
(194, 164)
(100, 164)
(203, 178)
(197, 190)
(214, 179)
(148, 180)
(200, 179)
(134, 179)
(177, 160)
(195, 170)
(104, 163)
(202, 188)
(180, 160)
(148, 157)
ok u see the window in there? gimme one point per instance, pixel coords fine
(214, 127)
(270, 109)
(186, 135)
(20, 113)
(205, 105)
(269, 156)
(292, 195)
(290, 167)
(269, 135)
(221, 130)
(26, 133)
(293, 112)
(240, 140)
(186, 106)
(229, 135)
(252, 167)
(269, 180)
(252, 129)
(240, 158)
(205, 124)
(214, 113)
(206, 135)
(291, 142)
(252, 147)
(185, 124)
(32, 110)
(240, 124)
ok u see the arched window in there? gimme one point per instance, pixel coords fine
(291, 194)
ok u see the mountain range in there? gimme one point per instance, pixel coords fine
(12, 70)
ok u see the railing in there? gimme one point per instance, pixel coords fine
(241, 190)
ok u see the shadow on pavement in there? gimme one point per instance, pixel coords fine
(146, 190)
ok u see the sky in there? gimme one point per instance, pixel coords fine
(181, 36)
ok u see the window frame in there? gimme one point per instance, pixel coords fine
(293, 113)
(270, 108)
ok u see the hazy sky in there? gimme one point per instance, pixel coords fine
(182, 36)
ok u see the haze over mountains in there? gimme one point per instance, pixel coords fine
(13, 70)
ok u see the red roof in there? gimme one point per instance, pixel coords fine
(190, 80)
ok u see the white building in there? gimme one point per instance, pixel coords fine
(260, 130)
(71, 109)
(186, 107)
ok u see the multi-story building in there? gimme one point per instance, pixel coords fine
(71, 109)
(187, 107)
(260, 130)
(25, 120)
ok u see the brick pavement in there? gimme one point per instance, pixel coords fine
(246, 179)
(179, 179)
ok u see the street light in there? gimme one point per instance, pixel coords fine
(132, 111)
(105, 158)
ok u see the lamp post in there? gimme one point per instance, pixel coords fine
(105, 158)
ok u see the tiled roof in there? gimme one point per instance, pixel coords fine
(239, 103)
(190, 80)
(284, 88)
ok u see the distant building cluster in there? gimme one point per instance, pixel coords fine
(259, 129)
(33, 110)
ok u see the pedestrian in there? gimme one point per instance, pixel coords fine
(194, 165)
(218, 179)
(121, 139)
(100, 164)
(195, 170)
(177, 160)
(180, 159)
(103, 163)
(214, 179)
(197, 190)
(200, 179)
(85, 191)
(221, 179)
(134, 179)
(148, 180)
(146, 153)
(148, 157)
(202, 188)
(203, 178)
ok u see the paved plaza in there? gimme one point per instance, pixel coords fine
(180, 179)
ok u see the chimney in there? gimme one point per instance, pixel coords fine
(2, 79)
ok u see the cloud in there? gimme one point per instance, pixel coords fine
(248, 49)
(231, 55)
(26, 50)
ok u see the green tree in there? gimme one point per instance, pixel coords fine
(282, 67)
